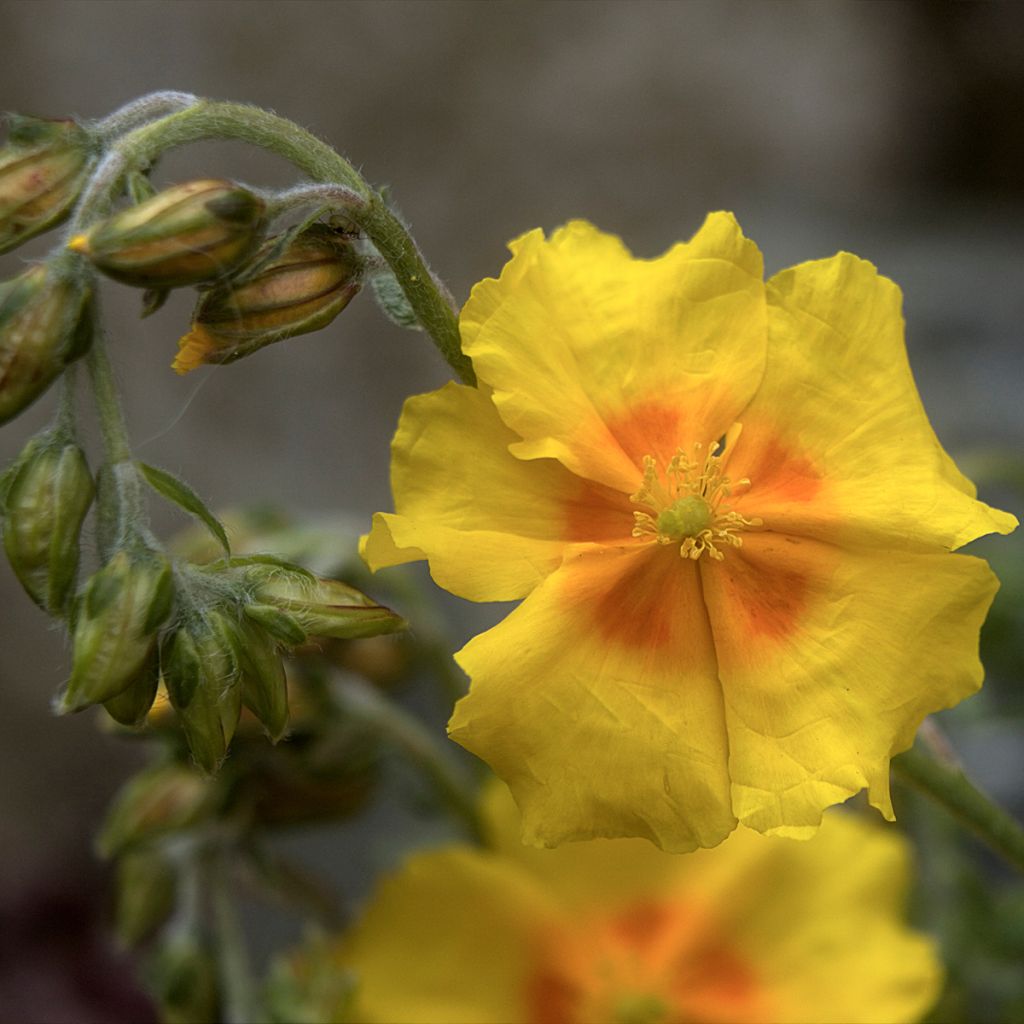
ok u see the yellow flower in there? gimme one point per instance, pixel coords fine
(759, 930)
(729, 518)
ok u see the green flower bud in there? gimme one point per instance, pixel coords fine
(183, 978)
(146, 884)
(118, 615)
(299, 291)
(45, 323)
(43, 168)
(201, 670)
(264, 685)
(167, 798)
(187, 234)
(324, 607)
(46, 504)
(131, 706)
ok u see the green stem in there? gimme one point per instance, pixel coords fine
(208, 119)
(236, 976)
(108, 403)
(409, 735)
(948, 786)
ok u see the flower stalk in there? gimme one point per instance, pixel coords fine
(947, 785)
(208, 119)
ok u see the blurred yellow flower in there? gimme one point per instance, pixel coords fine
(729, 518)
(759, 930)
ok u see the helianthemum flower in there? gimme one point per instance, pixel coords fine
(760, 930)
(729, 518)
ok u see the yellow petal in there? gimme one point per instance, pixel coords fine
(597, 359)
(417, 952)
(836, 442)
(492, 526)
(598, 703)
(829, 660)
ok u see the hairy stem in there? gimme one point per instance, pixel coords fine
(208, 119)
(948, 786)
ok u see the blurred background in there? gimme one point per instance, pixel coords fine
(893, 130)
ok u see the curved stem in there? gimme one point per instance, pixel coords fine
(415, 742)
(208, 119)
(145, 108)
(948, 786)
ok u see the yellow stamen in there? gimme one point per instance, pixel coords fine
(686, 505)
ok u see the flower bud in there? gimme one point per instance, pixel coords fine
(297, 292)
(201, 670)
(264, 685)
(43, 168)
(46, 504)
(131, 706)
(167, 798)
(188, 233)
(45, 323)
(146, 885)
(324, 607)
(118, 614)
(184, 980)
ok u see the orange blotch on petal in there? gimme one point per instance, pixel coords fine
(594, 512)
(658, 962)
(652, 605)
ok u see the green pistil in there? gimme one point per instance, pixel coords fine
(640, 1008)
(687, 517)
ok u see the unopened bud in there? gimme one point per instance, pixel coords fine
(164, 799)
(264, 684)
(203, 679)
(324, 607)
(131, 706)
(45, 323)
(297, 292)
(43, 167)
(146, 885)
(45, 505)
(184, 980)
(118, 614)
(187, 234)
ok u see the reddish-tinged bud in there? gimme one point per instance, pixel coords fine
(44, 508)
(187, 234)
(45, 323)
(43, 168)
(296, 292)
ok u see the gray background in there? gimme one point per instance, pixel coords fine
(889, 129)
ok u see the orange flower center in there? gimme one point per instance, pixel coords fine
(687, 503)
(652, 963)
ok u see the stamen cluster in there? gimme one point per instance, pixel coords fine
(687, 504)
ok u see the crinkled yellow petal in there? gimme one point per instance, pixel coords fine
(491, 526)
(812, 930)
(822, 920)
(836, 442)
(829, 659)
(448, 941)
(597, 701)
(597, 359)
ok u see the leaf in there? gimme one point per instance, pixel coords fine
(182, 495)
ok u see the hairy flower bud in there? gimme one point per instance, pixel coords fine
(146, 886)
(118, 614)
(45, 505)
(43, 167)
(131, 706)
(324, 607)
(264, 685)
(296, 292)
(45, 323)
(201, 670)
(187, 234)
(163, 799)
